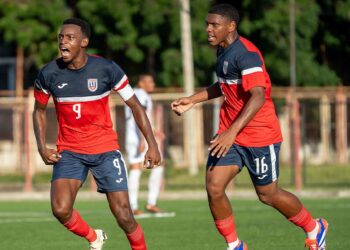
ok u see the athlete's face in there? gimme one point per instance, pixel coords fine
(71, 42)
(147, 83)
(220, 30)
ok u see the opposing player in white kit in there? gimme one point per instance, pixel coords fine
(136, 147)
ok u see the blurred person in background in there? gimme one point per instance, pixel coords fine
(249, 132)
(80, 85)
(136, 146)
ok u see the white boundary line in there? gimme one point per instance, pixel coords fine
(28, 220)
(155, 215)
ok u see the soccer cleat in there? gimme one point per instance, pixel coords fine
(100, 240)
(153, 209)
(241, 246)
(320, 242)
(137, 212)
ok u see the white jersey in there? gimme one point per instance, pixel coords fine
(133, 134)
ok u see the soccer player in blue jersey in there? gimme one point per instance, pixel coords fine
(80, 85)
(249, 132)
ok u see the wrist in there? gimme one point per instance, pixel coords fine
(42, 148)
(233, 129)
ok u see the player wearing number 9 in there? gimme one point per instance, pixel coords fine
(80, 85)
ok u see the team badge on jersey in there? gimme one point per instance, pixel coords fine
(92, 84)
(224, 68)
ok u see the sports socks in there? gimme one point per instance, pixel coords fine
(233, 245)
(134, 184)
(137, 239)
(154, 184)
(227, 228)
(79, 227)
(304, 220)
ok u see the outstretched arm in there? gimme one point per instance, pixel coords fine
(222, 143)
(181, 105)
(152, 157)
(49, 156)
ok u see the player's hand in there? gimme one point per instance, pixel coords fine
(181, 105)
(152, 157)
(50, 156)
(222, 143)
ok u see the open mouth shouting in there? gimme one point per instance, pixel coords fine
(211, 38)
(65, 53)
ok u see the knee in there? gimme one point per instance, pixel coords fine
(268, 198)
(265, 198)
(215, 190)
(61, 212)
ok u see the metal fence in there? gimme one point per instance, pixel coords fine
(323, 121)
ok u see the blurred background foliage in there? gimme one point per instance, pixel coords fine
(144, 36)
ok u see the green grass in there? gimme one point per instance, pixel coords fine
(30, 226)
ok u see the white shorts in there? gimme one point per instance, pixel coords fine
(133, 154)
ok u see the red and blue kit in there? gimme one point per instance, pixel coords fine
(81, 101)
(240, 67)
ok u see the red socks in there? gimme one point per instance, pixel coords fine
(137, 239)
(227, 228)
(79, 227)
(304, 220)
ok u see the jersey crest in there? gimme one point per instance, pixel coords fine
(92, 84)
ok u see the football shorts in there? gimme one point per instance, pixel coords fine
(108, 169)
(262, 162)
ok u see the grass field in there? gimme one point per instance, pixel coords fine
(30, 226)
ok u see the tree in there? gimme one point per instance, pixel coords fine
(332, 37)
(267, 25)
(144, 35)
(32, 25)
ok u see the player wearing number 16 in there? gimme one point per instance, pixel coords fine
(80, 85)
(249, 133)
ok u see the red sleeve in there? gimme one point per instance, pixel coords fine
(41, 97)
(253, 80)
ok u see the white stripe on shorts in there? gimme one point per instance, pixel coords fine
(125, 168)
(273, 162)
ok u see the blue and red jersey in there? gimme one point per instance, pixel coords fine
(81, 101)
(239, 68)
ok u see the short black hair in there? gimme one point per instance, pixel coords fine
(84, 26)
(143, 76)
(225, 10)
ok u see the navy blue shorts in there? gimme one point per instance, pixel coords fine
(262, 162)
(108, 169)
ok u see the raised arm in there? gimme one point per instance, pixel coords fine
(49, 156)
(152, 157)
(183, 104)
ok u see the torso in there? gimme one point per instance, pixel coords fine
(81, 101)
(239, 68)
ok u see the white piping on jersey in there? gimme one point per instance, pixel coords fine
(126, 93)
(38, 85)
(82, 98)
(273, 162)
(229, 81)
(124, 78)
(251, 70)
